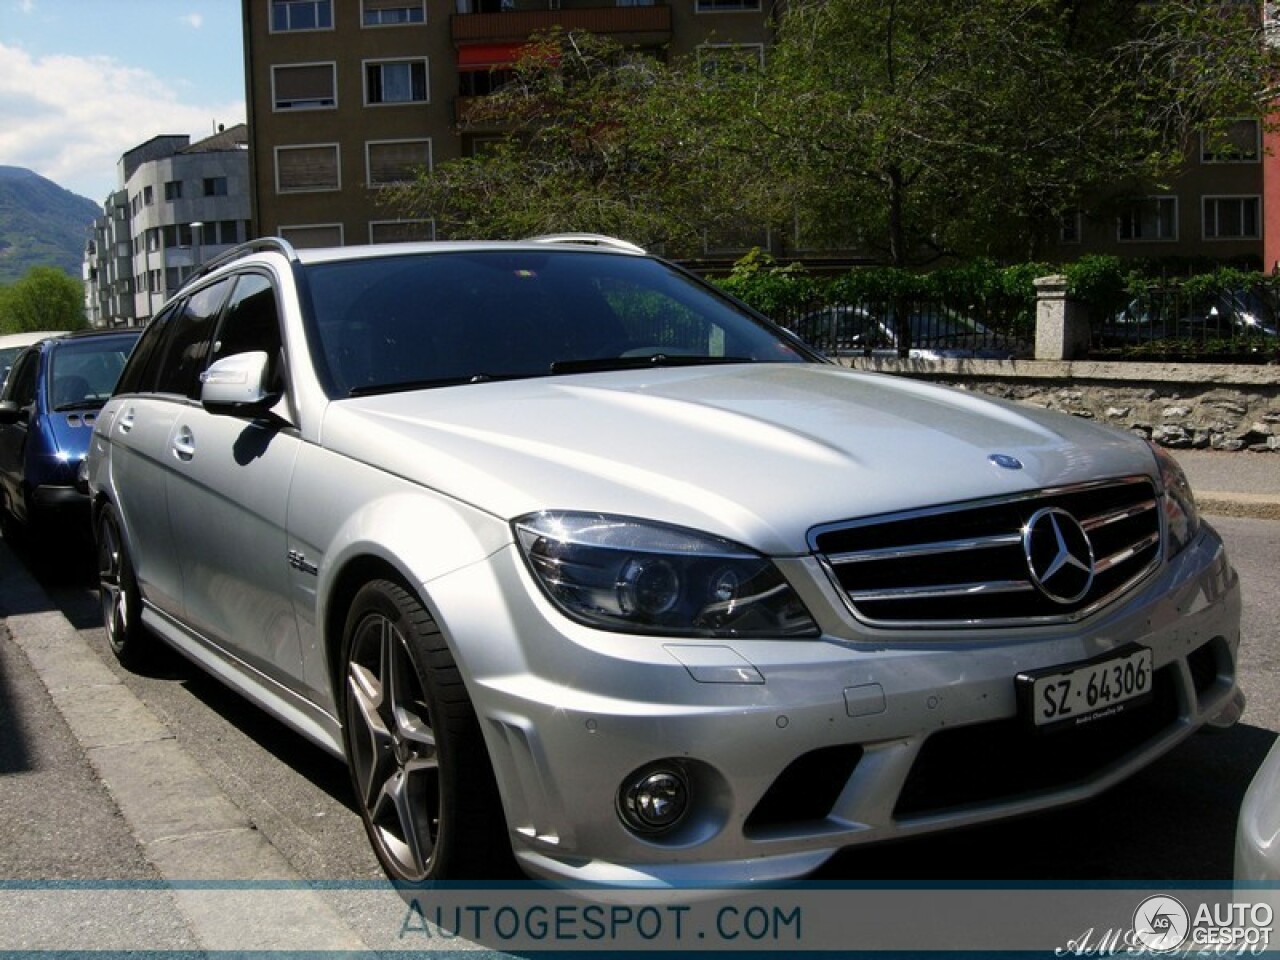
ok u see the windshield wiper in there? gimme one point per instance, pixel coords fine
(79, 405)
(405, 386)
(599, 364)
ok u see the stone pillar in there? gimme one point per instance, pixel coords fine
(1062, 325)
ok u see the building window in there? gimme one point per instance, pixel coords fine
(1231, 218)
(215, 186)
(401, 231)
(395, 81)
(308, 168)
(301, 15)
(716, 58)
(148, 196)
(1153, 218)
(313, 235)
(396, 161)
(1240, 142)
(173, 190)
(392, 13)
(304, 86)
(722, 6)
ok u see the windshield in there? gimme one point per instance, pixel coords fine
(407, 322)
(83, 373)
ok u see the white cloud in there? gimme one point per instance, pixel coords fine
(70, 118)
(193, 20)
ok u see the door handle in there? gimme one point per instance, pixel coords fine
(126, 420)
(184, 444)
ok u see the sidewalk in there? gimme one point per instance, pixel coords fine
(1234, 484)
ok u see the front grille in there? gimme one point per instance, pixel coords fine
(967, 564)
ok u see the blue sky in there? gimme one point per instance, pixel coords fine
(82, 81)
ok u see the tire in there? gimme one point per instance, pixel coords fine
(419, 769)
(119, 597)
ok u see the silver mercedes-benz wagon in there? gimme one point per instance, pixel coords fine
(581, 565)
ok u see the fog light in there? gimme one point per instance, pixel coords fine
(654, 799)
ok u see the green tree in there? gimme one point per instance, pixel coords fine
(915, 129)
(969, 129)
(45, 299)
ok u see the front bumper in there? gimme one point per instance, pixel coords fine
(796, 749)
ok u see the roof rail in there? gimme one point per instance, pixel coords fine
(588, 239)
(278, 244)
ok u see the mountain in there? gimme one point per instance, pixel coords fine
(41, 224)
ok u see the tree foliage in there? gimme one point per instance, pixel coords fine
(912, 129)
(46, 298)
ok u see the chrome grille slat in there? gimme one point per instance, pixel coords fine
(1115, 516)
(916, 568)
(959, 590)
(925, 549)
(1120, 556)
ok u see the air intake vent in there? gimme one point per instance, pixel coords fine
(1050, 556)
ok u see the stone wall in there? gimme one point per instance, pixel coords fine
(1209, 406)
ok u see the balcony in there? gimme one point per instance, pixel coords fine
(638, 25)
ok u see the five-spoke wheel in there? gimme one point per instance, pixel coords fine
(418, 764)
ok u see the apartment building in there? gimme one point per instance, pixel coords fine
(1213, 208)
(179, 204)
(108, 266)
(346, 96)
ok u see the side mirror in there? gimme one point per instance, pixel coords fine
(10, 412)
(238, 385)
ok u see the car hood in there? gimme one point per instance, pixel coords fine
(70, 431)
(756, 453)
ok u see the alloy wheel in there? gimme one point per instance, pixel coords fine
(394, 758)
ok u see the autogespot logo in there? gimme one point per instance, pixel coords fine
(1161, 923)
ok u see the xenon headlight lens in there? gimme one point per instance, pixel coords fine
(1181, 518)
(618, 573)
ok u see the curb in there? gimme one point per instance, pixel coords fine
(185, 825)
(1255, 506)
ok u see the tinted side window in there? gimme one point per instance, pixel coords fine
(22, 380)
(250, 322)
(140, 372)
(188, 339)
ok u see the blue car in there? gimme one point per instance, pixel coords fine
(47, 407)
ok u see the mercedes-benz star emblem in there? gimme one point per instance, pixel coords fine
(1059, 555)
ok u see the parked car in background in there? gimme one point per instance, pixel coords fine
(12, 344)
(859, 331)
(576, 561)
(47, 409)
(1257, 854)
(1246, 316)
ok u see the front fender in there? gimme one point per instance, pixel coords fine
(348, 523)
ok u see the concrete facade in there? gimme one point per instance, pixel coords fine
(179, 203)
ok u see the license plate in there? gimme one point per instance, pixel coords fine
(1082, 693)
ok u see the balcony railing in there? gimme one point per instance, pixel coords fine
(650, 24)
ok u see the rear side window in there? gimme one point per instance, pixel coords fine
(187, 341)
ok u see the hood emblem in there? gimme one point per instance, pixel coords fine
(1059, 555)
(1005, 461)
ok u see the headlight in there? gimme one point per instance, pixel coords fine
(622, 574)
(1181, 519)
